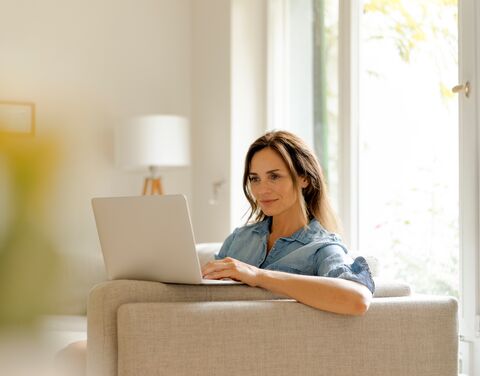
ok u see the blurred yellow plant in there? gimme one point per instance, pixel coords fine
(28, 260)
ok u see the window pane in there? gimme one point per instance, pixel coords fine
(325, 68)
(408, 166)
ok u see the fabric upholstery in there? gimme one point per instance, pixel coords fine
(398, 336)
(412, 329)
(107, 297)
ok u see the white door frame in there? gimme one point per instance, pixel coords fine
(348, 99)
(469, 66)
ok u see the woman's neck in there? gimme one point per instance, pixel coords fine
(285, 224)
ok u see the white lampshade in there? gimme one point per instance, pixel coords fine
(153, 141)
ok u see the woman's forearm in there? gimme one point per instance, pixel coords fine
(329, 294)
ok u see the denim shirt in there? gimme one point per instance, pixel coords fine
(309, 251)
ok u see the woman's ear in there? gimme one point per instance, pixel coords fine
(303, 182)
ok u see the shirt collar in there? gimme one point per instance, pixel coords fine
(303, 235)
(263, 227)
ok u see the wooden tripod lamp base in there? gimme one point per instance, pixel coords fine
(152, 186)
(152, 142)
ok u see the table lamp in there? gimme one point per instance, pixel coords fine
(153, 142)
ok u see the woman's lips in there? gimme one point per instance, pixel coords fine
(267, 202)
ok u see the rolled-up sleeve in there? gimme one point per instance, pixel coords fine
(333, 261)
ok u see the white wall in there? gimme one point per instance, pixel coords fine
(249, 93)
(88, 65)
(228, 107)
(211, 115)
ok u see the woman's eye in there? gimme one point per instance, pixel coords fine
(274, 176)
(254, 179)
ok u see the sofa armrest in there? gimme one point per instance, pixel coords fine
(387, 288)
(397, 336)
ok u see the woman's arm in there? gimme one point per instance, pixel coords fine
(329, 294)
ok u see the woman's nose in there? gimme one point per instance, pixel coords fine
(263, 187)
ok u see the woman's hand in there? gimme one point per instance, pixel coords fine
(232, 268)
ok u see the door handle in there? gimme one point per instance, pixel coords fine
(462, 88)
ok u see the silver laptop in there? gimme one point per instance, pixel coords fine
(149, 238)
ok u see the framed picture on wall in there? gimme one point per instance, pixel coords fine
(17, 118)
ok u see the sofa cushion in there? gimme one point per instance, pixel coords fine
(285, 338)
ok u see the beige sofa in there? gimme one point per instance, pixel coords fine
(150, 328)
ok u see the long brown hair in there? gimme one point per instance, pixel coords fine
(301, 162)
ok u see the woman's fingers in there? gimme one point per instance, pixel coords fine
(219, 270)
(215, 266)
(218, 275)
(231, 268)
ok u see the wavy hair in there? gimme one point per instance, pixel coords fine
(301, 162)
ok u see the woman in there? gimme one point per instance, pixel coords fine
(291, 247)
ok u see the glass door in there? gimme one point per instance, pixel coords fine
(418, 146)
(408, 166)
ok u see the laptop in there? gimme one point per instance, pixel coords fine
(149, 238)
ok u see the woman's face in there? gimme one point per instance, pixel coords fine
(271, 184)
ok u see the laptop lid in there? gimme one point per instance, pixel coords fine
(147, 238)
